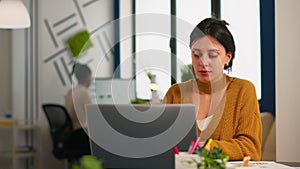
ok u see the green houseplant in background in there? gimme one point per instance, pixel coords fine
(187, 72)
(80, 43)
(88, 162)
(139, 101)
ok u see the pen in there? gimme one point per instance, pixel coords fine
(176, 150)
(195, 145)
(206, 144)
(191, 146)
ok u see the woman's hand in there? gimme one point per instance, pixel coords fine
(205, 144)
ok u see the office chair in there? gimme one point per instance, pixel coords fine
(61, 131)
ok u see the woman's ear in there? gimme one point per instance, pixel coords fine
(228, 57)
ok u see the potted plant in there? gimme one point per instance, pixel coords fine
(201, 159)
(212, 159)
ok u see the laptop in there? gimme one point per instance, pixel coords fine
(139, 136)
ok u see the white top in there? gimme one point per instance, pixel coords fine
(75, 101)
(202, 124)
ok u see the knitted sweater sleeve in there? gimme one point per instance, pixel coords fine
(247, 138)
(171, 94)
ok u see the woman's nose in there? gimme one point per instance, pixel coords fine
(203, 61)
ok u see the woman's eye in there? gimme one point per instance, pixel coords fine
(213, 54)
(197, 54)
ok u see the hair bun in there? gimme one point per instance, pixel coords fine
(218, 21)
(224, 22)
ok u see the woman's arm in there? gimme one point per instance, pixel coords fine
(247, 137)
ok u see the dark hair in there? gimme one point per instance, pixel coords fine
(81, 71)
(217, 29)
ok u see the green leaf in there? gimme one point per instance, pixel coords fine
(149, 74)
(88, 162)
(76, 166)
(80, 43)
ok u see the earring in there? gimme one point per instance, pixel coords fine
(227, 64)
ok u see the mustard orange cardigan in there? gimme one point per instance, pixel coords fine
(238, 130)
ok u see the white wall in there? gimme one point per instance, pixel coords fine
(18, 73)
(5, 75)
(287, 28)
(126, 39)
(96, 18)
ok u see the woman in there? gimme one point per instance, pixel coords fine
(227, 107)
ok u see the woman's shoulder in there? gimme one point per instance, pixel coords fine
(237, 82)
(177, 87)
(184, 84)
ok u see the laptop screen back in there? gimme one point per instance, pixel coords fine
(141, 135)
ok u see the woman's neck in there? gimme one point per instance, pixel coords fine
(212, 87)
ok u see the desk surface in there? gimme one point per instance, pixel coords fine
(291, 164)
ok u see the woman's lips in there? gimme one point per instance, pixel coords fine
(204, 72)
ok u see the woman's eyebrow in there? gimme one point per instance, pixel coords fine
(210, 50)
(196, 49)
(214, 50)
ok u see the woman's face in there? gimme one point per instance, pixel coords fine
(209, 58)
